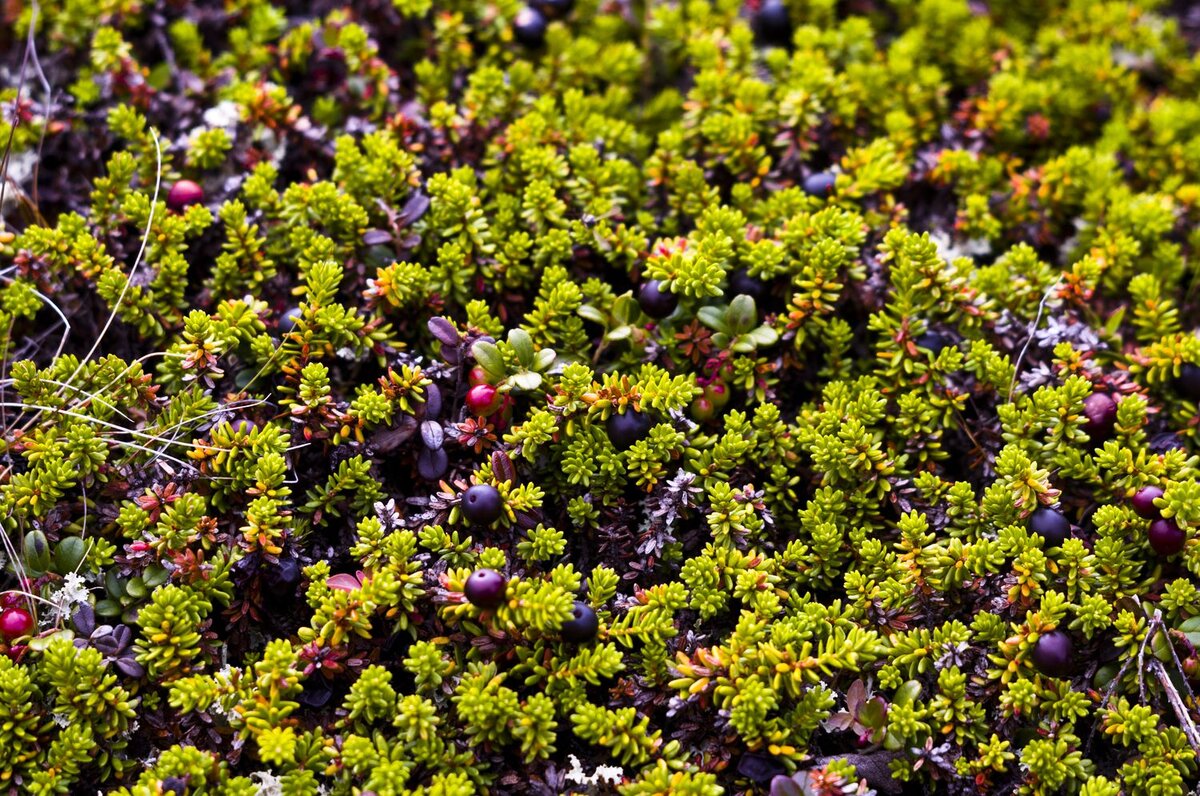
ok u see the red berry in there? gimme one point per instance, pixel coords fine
(482, 504)
(15, 622)
(1143, 502)
(483, 400)
(1101, 414)
(1052, 654)
(184, 193)
(477, 375)
(1165, 537)
(703, 410)
(485, 588)
(717, 394)
(583, 624)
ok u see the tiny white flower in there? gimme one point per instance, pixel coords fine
(225, 114)
(268, 783)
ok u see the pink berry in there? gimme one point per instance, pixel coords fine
(476, 376)
(184, 193)
(483, 400)
(15, 622)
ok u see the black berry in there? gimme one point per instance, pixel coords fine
(529, 27)
(485, 588)
(1143, 502)
(741, 283)
(482, 504)
(656, 302)
(183, 194)
(555, 9)
(583, 624)
(290, 319)
(772, 24)
(820, 184)
(759, 768)
(1051, 525)
(626, 429)
(1101, 414)
(1165, 537)
(1188, 381)
(933, 342)
(1052, 654)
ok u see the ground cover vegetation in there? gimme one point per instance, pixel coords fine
(609, 396)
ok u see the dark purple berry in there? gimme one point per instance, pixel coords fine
(317, 692)
(529, 27)
(1052, 654)
(432, 463)
(1101, 414)
(760, 768)
(328, 69)
(583, 624)
(485, 588)
(626, 429)
(174, 785)
(1166, 441)
(1165, 537)
(1051, 525)
(1143, 502)
(742, 284)
(281, 579)
(183, 194)
(482, 504)
(655, 302)
(1188, 381)
(772, 24)
(820, 183)
(932, 342)
(243, 426)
